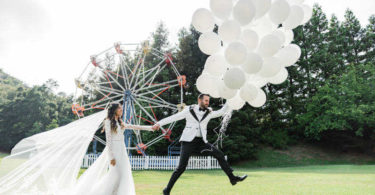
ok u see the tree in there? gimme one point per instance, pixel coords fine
(335, 58)
(32, 111)
(352, 34)
(368, 43)
(307, 76)
(342, 111)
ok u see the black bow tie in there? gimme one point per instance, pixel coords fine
(202, 109)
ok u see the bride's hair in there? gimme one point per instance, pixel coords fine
(111, 116)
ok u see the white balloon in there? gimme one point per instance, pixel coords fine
(280, 34)
(203, 20)
(207, 83)
(214, 95)
(280, 77)
(214, 89)
(293, 2)
(269, 45)
(244, 11)
(261, 83)
(271, 66)
(263, 26)
(216, 65)
(248, 92)
(234, 78)
(289, 36)
(279, 11)
(295, 17)
(289, 55)
(236, 102)
(203, 83)
(250, 38)
(257, 80)
(307, 10)
(253, 63)
(221, 8)
(262, 7)
(226, 92)
(209, 43)
(236, 53)
(229, 31)
(260, 100)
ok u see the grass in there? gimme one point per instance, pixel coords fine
(275, 172)
(2, 155)
(299, 170)
(304, 155)
(323, 179)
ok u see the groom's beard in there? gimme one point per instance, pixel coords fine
(202, 105)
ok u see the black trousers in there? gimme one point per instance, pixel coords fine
(198, 145)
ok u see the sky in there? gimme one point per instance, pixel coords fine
(42, 39)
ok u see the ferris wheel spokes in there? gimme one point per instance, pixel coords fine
(153, 85)
(94, 106)
(156, 101)
(155, 105)
(134, 71)
(144, 79)
(156, 69)
(151, 80)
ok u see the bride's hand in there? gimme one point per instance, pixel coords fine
(113, 162)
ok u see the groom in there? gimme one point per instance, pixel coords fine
(194, 138)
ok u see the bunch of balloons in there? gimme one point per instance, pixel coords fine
(252, 47)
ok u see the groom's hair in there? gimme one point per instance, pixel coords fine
(201, 96)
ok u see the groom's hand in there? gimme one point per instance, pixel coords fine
(156, 127)
(113, 162)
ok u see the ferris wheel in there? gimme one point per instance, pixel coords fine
(143, 79)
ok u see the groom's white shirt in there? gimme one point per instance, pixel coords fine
(193, 128)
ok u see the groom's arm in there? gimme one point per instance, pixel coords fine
(221, 112)
(176, 117)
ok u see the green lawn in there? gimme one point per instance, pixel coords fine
(304, 155)
(316, 179)
(324, 179)
(3, 155)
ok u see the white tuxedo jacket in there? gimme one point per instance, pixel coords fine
(192, 125)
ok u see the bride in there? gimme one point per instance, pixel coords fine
(48, 163)
(119, 179)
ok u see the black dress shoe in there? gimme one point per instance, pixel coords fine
(237, 179)
(166, 191)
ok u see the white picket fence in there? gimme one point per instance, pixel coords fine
(161, 162)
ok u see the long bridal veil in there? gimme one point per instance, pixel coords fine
(49, 162)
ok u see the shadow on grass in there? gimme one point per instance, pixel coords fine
(302, 156)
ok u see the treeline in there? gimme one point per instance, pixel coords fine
(25, 111)
(327, 99)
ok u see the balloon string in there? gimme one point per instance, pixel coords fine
(223, 127)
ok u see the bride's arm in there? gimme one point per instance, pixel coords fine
(136, 127)
(108, 137)
(139, 127)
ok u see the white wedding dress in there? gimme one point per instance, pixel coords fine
(48, 163)
(119, 179)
